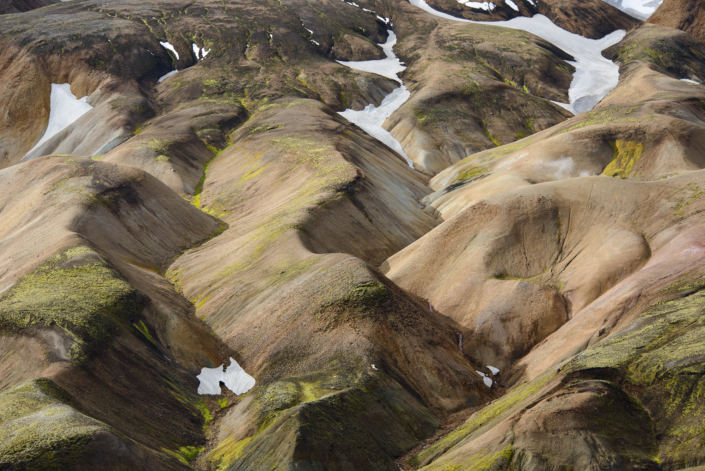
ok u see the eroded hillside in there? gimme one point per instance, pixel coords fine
(339, 235)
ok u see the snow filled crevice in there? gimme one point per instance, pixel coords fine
(641, 9)
(199, 52)
(485, 379)
(487, 6)
(234, 378)
(169, 74)
(372, 118)
(64, 109)
(166, 45)
(594, 75)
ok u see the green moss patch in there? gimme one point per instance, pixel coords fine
(78, 291)
(619, 114)
(663, 352)
(39, 431)
(471, 172)
(626, 154)
(490, 415)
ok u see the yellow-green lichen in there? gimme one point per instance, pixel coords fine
(488, 416)
(626, 154)
(471, 172)
(619, 114)
(76, 290)
(663, 352)
(39, 431)
(228, 451)
(185, 454)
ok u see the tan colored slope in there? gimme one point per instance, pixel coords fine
(526, 247)
(687, 15)
(473, 87)
(298, 185)
(631, 398)
(123, 357)
(648, 134)
(509, 243)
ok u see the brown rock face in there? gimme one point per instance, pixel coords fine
(686, 15)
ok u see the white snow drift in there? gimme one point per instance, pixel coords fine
(388, 67)
(200, 53)
(161, 79)
(234, 378)
(594, 75)
(64, 109)
(487, 6)
(512, 5)
(485, 379)
(372, 118)
(168, 46)
(641, 9)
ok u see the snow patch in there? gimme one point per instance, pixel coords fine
(532, 3)
(512, 4)
(372, 118)
(690, 81)
(487, 6)
(641, 9)
(166, 45)
(386, 20)
(64, 109)
(594, 75)
(388, 67)
(565, 106)
(485, 379)
(493, 370)
(234, 378)
(200, 53)
(163, 77)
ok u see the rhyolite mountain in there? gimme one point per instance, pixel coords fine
(528, 294)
